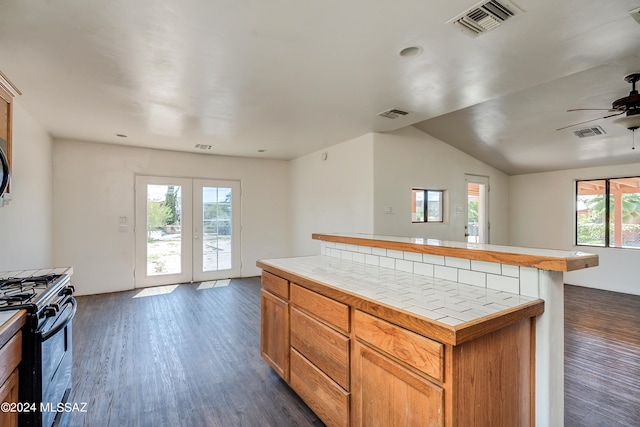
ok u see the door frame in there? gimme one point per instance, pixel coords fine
(191, 233)
(236, 264)
(141, 279)
(484, 226)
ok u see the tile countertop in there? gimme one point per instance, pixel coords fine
(34, 273)
(545, 259)
(453, 306)
(5, 316)
(11, 321)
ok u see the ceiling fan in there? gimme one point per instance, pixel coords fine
(629, 105)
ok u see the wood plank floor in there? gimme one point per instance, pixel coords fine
(602, 358)
(189, 358)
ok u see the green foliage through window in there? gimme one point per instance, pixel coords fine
(612, 224)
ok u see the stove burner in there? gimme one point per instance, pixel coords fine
(22, 290)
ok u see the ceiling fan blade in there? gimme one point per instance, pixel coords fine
(590, 109)
(592, 120)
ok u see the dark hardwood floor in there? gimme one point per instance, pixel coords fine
(602, 358)
(189, 358)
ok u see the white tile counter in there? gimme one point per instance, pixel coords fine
(5, 316)
(34, 273)
(440, 300)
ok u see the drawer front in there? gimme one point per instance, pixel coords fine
(333, 312)
(415, 350)
(10, 356)
(323, 396)
(276, 285)
(323, 346)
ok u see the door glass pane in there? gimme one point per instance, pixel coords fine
(473, 210)
(164, 245)
(216, 228)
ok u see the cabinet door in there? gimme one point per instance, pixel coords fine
(274, 333)
(9, 394)
(386, 393)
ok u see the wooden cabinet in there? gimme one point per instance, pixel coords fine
(10, 356)
(9, 393)
(359, 364)
(7, 92)
(403, 378)
(274, 330)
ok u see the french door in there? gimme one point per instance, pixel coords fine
(186, 230)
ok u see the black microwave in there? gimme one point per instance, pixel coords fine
(4, 172)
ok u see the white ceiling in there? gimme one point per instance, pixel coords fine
(295, 76)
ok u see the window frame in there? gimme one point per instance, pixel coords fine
(608, 206)
(425, 192)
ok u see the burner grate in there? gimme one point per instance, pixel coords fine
(16, 291)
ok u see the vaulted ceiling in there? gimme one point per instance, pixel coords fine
(284, 78)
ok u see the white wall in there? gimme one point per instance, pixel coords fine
(94, 187)
(409, 158)
(542, 216)
(25, 223)
(333, 195)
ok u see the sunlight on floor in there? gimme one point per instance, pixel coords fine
(158, 290)
(213, 284)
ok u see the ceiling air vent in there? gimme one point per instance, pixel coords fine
(587, 132)
(485, 16)
(393, 113)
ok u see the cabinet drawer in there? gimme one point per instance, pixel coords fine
(10, 356)
(323, 396)
(415, 350)
(333, 312)
(276, 285)
(323, 346)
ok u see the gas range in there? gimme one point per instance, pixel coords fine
(45, 370)
(31, 289)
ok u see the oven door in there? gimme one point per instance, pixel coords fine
(55, 335)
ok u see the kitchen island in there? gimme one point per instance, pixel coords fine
(460, 334)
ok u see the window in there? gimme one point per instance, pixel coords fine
(427, 205)
(608, 212)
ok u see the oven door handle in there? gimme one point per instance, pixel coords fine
(51, 332)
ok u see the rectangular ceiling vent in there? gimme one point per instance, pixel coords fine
(485, 16)
(393, 113)
(203, 147)
(587, 132)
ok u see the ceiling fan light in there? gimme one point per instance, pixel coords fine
(629, 122)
